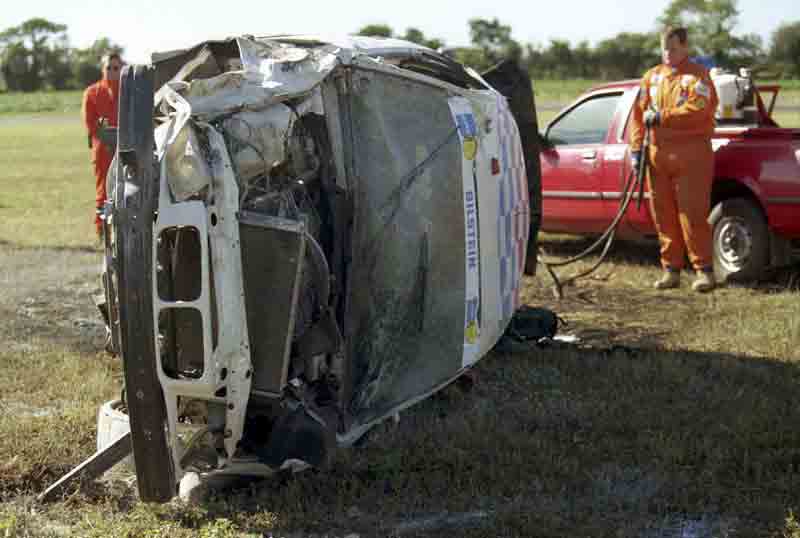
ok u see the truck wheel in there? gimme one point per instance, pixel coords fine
(740, 240)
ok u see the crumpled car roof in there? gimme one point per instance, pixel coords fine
(348, 45)
(215, 78)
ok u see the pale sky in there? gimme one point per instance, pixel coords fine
(147, 26)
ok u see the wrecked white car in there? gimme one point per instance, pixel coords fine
(306, 236)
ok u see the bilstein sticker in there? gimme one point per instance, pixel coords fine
(464, 118)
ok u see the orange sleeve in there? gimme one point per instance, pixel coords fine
(639, 106)
(698, 109)
(89, 112)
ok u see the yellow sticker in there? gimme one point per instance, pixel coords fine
(470, 147)
(471, 333)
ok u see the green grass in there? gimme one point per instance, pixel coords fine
(47, 182)
(673, 407)
(44, 101)
(561, 91)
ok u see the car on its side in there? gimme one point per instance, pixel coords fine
(304, 237)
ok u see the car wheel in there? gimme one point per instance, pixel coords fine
(740, 240)
(135, 201)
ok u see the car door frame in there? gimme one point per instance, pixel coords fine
(616, 170)
(575, 205)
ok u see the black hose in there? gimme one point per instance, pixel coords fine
(633, 183)
(627, 195)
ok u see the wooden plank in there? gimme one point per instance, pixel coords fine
(92, 467)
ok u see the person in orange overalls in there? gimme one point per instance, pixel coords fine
(99, 111)
(677, 101)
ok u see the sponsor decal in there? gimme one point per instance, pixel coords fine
(464, 119)
(701, 89)
(469, 135)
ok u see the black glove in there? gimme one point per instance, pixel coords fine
(636, 158)
(107, 135)
(651, 118)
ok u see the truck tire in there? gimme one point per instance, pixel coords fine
(740, 239)
(515, 84)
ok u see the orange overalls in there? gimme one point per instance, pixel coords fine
(681, 159)
(100, 100)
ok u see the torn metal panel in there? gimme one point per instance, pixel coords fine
(233, 349)
(187, 168)
(258, 139)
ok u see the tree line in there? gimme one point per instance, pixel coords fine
(36, 55)
(710, 23)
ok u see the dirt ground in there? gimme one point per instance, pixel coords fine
(46, 298)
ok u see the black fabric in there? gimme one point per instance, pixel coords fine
(531, 323)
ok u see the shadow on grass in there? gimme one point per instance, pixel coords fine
(644, 253)
(563, 441)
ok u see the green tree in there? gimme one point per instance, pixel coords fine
(415, 35)
(494, 41)
(785, 48)
(86, 62)
(710, 24)
(33, 54)
(16, 68)
(376, 30)
(626, 55)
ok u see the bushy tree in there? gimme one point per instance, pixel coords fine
(33, 54)
(626, 55)
(376, 30)
(711, 24)
(785, 48)
(86, 62)
(494, 40)
(415, 35)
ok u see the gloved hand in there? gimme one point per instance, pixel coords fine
(636, 158)
(652, 118)
(107, 134)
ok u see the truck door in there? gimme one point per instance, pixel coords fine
(638, 220)
(616, 170)
(572, 166)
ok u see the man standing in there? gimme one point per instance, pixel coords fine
(99, 111)
(676, 103)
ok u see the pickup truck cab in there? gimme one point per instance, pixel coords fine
(755, 199)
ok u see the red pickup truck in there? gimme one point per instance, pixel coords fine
(755, 200)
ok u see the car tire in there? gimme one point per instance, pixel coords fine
(135, 201)
(740, 240)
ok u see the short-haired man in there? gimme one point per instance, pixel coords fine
(99, 111)
(677, 101)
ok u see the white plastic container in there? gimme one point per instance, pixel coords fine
(112, 423)
(728, 87)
